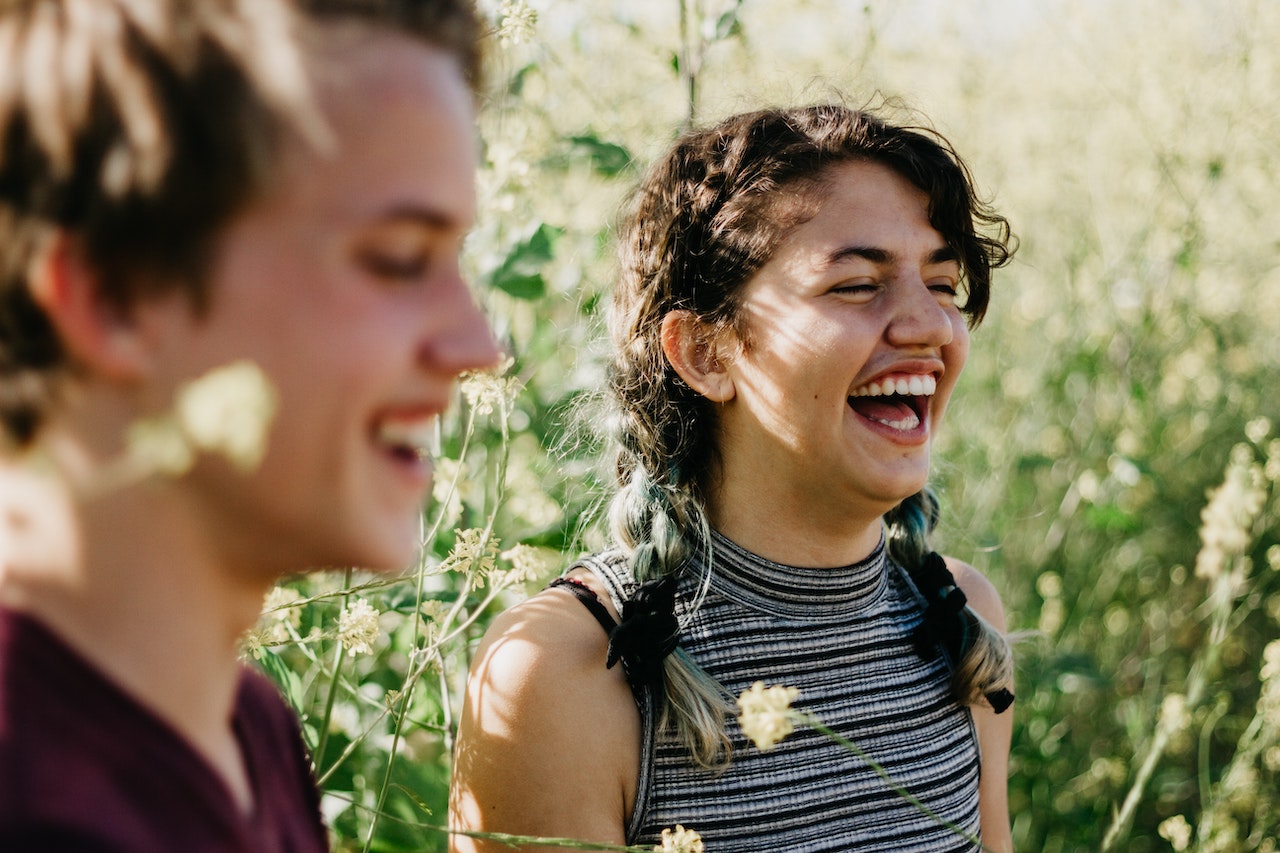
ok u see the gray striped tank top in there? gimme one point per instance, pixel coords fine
(843, 637)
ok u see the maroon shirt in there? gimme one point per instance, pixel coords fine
(85, 767)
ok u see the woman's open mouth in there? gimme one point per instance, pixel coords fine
(899, 402)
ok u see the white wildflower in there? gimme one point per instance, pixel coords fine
(528, 563)
(1258, 429)
(1230, 513)
(358, 627)
(1176, 831)
(229, 411)
(516, 22)
(279, 614)
(474, 553)
(766, 714)
(679, 840)
(158, 445)
(1269, 675)
(1174, 715)
(487, 389)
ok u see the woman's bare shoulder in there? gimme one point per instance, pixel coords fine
(548, 742)
(983, 596)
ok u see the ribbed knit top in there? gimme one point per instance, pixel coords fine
(843, 637)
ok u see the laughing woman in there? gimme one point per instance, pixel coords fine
(797, 292)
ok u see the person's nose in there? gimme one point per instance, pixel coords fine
(919, 319)
(459, 337)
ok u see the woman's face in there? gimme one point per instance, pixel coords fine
(343, 285)
(850, 346)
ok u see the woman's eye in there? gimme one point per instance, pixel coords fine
(944, 287)
(855, 287)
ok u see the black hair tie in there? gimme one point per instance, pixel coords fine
(947, 622)
(647, 633)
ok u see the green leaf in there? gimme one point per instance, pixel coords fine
(728, 25)
(607, 158)
(284, 677)
(520, 275)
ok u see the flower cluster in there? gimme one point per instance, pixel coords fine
(528, 563)
(358, 627)
(679, 840)
(227, 411)
(474, 553)
(1230, 513)
(766, 713)
(1269, 698)
(1176, 831)
(279, 614)
(516, 22)
(486, 390)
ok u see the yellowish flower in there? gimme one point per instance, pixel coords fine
(358, 627)
(158, 445)
(679, 840)
(474, 554)
(1174, 716)
(1228, 518)
(1176, 831)
(488, 389)
(766, 713)
(516, 22)
(279, 614)
(229, 411)
(528, 563)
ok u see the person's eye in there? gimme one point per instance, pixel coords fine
(945, 288)
(856, 288)
(395, 266)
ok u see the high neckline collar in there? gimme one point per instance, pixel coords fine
(796, 591)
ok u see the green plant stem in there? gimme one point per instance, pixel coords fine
(339, 652)
(415, 673)
(1198, 682)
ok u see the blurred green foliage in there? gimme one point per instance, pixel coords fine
(1129, 348)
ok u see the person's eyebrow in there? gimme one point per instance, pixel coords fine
(876, 255)
(414, 214)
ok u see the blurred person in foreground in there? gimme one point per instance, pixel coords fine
(796, 295)
(230, 309)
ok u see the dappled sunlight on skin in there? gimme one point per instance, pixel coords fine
(863, 289)
(547, 646)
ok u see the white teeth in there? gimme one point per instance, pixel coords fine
(916, 386)
(418, 435)
(906, 424)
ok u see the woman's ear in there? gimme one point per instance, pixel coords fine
(692, 351)
(97, 333)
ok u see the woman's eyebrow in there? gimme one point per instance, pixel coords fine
(877, 255)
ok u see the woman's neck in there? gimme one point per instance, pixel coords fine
(797, 538)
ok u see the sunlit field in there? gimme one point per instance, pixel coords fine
(1111, 458)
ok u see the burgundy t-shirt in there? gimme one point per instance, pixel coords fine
(85, 767)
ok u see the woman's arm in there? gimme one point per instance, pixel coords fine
(995, 731)
(549, 740)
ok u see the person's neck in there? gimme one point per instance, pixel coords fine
(138, 594)
(796, 534)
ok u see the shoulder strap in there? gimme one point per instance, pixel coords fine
(589, 599)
